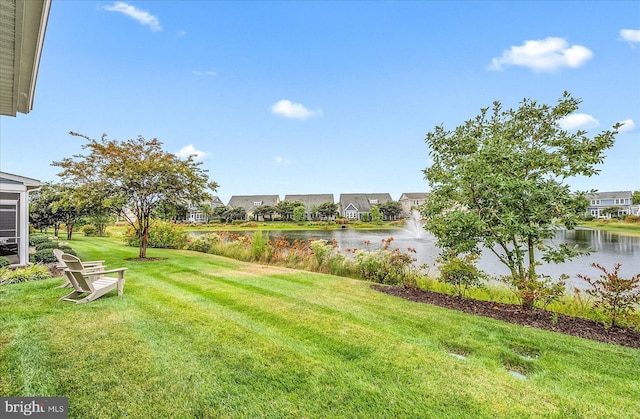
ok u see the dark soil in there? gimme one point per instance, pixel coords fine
(538, 318)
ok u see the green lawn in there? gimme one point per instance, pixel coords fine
(619, 227)
(197, 335)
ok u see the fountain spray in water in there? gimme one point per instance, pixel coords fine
(414, 225)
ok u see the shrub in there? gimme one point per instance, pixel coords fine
(89, 230)
(204, 243)
(162, 234)
(45, 256)
(237, 222)
(4, 262)
(532, 291)
(461, 272)
(49, 244)
(632, 219)
(617, 296)
(385, 266)
(24, 274)
(259, 246)
(36, 239)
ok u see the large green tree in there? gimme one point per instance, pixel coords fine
(497, 182)
(137, 176)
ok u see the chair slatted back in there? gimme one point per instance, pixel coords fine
(76, 273)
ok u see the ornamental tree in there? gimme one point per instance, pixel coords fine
(135, 177)
(497, 182)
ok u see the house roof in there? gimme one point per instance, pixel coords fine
(248, 202)
(414, 195)
(23, 25)
(10, 179)
(310, 199)
(363, 201)
(610, 195)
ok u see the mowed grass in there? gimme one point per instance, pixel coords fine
(197, 335)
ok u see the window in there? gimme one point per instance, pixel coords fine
(257, 203)
(619, 201)
(416, 202)
(373, 201)
(595, 202)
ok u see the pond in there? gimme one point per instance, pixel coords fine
(608, 249)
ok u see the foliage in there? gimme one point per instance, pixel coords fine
(204, 243)
(44, 256)
(327, 210)
(259, 246)
(35, 239)
(497, 182)
(89, 230)
(50, 244)
(161, 234)
(376, 214)
(635, 198)
(24, 274)
(390, 209)
(385, 266)
(539, 290)
(618, 297)
(612, 211)
(631, 219)
(461, 272)
(4, 262)
(135, 177)
(286, 209)
(299, 214)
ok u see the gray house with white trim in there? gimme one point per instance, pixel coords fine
(354, 205)
(310, 201)
(601, 201)
(251, 202)
(195, 213)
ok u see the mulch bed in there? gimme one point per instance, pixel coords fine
(540, 319)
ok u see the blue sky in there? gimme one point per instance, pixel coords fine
(322, 97)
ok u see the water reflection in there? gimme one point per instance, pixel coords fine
(608, 249)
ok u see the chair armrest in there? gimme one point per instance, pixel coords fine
(110, 271)
(93, 263)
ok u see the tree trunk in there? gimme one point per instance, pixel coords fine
(144, 239)
(69, 231)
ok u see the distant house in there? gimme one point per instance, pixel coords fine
(310, 201)
(251, 202)
(14, 217)
(410, 201)
(354, 205)
(195, 213)
(602, 204)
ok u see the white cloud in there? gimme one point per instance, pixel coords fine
(543, 55)
(293, 110)
(630, 35)
(578, 121)
(190, 150)
(204, 73)
(628, 126)
(141, 16)
(281, 160)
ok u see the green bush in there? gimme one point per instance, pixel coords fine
(204, 243)
(259, 246)
(24, 274)
(36, 239)
(237, 222)
(4, 262)
(89, 230)
(461, 272)
(50, 244)
(162, 234)
(67, 249)
(45, 256)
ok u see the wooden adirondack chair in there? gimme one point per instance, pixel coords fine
(94, 264)
(90, 281)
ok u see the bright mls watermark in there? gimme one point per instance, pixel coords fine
(36, 407)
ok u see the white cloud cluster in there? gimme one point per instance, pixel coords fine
(543, 55)
(289, 109)
(628, 126)
(143, 17)
(630, 35)
(190, 150)
(578, 121)
(204, 73)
